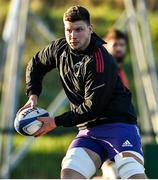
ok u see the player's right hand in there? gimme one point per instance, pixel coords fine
(32, 102)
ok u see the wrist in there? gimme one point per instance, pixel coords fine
(33, 96)
(32, 92)
(53, 124)
(57, 122)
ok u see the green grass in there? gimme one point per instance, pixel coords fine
(44, 157)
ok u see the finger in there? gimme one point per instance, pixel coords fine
(40, 134)
(21, 109)
(27, 105)
(42, 119)
(32, 104)
(39, 131)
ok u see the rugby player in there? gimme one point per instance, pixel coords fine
(100, 104)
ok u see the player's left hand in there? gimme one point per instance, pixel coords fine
(48, 125)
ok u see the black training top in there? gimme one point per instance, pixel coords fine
(90, 81)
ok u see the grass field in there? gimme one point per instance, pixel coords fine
(44, 157)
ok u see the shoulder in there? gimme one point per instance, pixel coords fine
(58, 43)
(102, 53)
(101, 61)
(58, 46)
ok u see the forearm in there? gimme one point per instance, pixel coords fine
(81, 114)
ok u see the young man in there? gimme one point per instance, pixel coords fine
(100, 105)
(117, 46)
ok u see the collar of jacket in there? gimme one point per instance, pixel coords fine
(95, 42)
(99, 40)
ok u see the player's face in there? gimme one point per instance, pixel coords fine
(117, 47)
(78, 34)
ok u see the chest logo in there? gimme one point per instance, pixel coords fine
(63, 55)
(77, 68)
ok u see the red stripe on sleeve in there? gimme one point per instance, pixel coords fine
(102, 60)
(97, 62)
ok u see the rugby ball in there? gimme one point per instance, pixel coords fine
(26, 122)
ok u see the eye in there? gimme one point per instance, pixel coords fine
(68, 30)
(79, 29)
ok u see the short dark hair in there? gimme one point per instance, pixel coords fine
(115, 34)
(77, 13)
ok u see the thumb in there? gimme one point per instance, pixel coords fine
(33, 104)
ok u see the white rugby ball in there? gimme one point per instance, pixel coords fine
(26, 122)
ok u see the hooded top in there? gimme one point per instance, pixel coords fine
(90, 80)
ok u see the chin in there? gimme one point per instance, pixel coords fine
(75, 48)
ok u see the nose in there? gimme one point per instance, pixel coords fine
(73, 34)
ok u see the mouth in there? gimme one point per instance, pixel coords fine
(74, 43)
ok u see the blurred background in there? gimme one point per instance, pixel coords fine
(28, 26)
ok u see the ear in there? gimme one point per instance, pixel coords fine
(91, 28)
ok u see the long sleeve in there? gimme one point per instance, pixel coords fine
(100, 79)
(38, 66)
